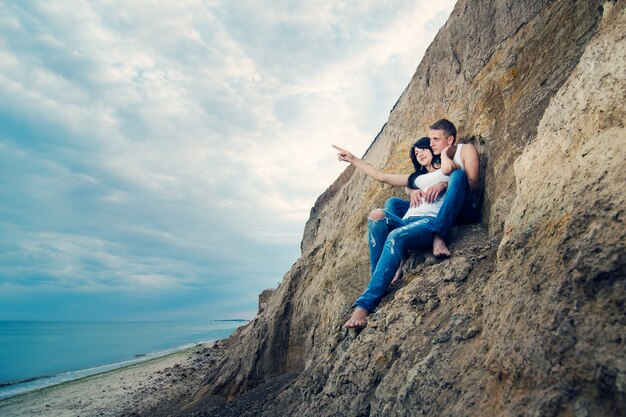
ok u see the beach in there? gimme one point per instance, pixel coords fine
(153, 387)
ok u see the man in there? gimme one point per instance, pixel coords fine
(460, 204)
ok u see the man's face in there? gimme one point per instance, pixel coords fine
(439, 141)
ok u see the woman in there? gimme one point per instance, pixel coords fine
(390, 236)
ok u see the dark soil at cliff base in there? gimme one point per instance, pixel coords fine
(249, 404)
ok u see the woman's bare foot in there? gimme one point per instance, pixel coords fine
(399, 272)
(439, 247)
(358, 319)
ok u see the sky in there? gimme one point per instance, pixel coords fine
(159, 159)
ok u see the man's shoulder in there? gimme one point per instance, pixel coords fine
(469, 150)
(467, 146)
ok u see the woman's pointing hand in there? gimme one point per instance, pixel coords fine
(343, 155)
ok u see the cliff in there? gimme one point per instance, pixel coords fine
(528, 316)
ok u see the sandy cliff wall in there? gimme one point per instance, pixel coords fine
(528, 316)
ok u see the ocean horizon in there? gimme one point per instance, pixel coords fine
(37, 354)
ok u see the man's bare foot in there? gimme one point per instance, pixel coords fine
(358, 319)
(399, 272)
(439, 247)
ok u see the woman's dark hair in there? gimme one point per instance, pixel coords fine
(422, 143)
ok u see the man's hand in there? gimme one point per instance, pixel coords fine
(431, 194)
(449, 151)
(416, 198)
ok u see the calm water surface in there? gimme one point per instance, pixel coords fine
(37, 353)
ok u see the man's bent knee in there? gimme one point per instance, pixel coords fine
(377, 214)
(457, 175)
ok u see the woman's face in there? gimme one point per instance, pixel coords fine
(424, 156)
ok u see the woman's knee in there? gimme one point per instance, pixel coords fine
(377, 214)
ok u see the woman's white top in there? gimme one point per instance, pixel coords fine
(423, 182)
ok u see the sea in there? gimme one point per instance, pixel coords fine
(37, 354)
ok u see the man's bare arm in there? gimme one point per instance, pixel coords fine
(469, 156)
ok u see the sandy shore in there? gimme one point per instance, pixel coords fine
(146, 388)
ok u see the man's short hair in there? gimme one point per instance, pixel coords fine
(446, 125)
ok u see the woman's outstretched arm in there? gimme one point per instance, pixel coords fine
(370, 171)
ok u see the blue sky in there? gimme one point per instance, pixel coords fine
(158, 160)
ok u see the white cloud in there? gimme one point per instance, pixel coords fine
(160, 141)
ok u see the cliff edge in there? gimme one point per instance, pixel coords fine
(528, 316)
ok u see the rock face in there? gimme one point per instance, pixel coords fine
(264, 298)
(528, 317)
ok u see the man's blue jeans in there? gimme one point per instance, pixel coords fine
(457, 205)
(389, 239)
